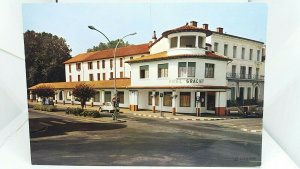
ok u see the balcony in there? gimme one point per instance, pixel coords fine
(245, 77)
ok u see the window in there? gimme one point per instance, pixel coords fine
(216, 46)
(156, 98)
(98, 76)
(233, 93)
(167, 99)
(191, 69)
(209, 70)
(250, 54)
(243, 72)
(78, 66)
(103, 76)
(249, 72)
(97, 97)
(70, 78)
(187, 41)
(257, 73)
(69, 68)
(200, 42)
(144, 72)
(249, 93)
(225, 50)
(98, 65)
(111, 75)
(107, 96)
(78, 78)
(258, 55)
(111, 63)
(162, 70)
(121, 62)
(121, 97)
(90, 65)
(91, 77)
(185, 99)
(233, 71)
(182, 69)
(121, 75)
(243, 53)
(103, 64)
(234, 52)
(174, 41)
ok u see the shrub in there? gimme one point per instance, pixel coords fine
(49, 108)
(80, 112)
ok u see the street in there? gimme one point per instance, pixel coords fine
(142, 141)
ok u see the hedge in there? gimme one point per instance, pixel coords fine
(49, 108)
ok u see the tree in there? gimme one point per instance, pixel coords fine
(108, 45)
(44, 91)
(44, 56)
(83, 93)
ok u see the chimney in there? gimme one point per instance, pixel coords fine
(193, 23)
(154, 38)
(205, 26)
(220, 29)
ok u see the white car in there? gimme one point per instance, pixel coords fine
(107, 106)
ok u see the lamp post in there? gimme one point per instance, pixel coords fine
(115, 67)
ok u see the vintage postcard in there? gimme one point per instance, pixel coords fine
(145, 84)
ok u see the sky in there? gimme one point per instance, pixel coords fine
(115, 20)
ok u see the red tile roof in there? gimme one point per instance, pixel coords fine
(187, 28)
(104, 54)
(104, 84)
(164, 56)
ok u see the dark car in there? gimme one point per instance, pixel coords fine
(257, 112)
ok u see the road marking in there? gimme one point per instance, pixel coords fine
(57, 122)
(46, 124)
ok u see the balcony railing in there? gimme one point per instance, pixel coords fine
(244, 76)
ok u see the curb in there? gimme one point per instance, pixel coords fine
(185, 119)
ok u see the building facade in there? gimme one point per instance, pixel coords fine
(189, 69)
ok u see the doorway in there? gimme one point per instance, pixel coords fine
(211, 100)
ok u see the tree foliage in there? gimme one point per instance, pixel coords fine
(83, 92)
(44, 91)
(45, 54)
(108, 45)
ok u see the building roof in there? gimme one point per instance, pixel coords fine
(186, 28)
(225, 34)
(164, 56)
(104, 54)
(180, 87)
(104, 84)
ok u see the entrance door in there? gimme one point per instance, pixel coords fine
(256, 94)
(211, 100)
(241, 98)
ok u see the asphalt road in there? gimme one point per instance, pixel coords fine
(142, 142)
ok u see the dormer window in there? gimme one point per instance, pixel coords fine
(187, 41)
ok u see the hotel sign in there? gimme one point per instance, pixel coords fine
(186, 81)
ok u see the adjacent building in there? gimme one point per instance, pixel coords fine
(189, 69)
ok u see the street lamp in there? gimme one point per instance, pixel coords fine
(115, 67)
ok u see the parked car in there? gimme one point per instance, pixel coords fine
(257, 112)
(107, 106)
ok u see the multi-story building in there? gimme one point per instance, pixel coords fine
(188, 69)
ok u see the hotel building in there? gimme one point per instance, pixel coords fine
(189, 69)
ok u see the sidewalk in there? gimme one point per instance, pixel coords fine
(150, 114)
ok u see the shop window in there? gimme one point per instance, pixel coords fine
(187, 41)
(121, 97)
(174, 41)
(209, 70)
(156, 98)
(185, 99)
(97, 97)
(167, 99)
(144, 72)
(162, 70)
(107, 96)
